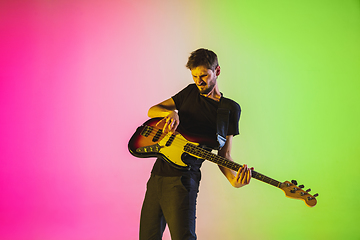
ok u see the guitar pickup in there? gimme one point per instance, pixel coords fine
(171, 139)
(157, 136)
(146, 131)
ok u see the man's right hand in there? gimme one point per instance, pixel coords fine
(172, 121)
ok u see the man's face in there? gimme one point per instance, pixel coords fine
(204, 78)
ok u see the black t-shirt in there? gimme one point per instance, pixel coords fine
(197, 116)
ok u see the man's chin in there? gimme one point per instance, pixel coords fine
(204, 91)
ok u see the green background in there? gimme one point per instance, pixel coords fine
(294, 68)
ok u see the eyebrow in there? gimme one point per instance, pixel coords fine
(203, 75)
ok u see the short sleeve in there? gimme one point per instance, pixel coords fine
(180, 97)
(234, 117)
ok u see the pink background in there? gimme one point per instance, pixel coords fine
(75, 83)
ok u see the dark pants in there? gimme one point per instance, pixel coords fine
(170, 200)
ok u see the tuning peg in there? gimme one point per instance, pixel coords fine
(308, 190)
(294, 182)
(315, 195)
(301, 186)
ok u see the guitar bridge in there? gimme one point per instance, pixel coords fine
(149, 149)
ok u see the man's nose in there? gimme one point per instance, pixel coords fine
(198, 80)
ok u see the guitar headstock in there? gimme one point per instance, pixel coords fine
(293, 191)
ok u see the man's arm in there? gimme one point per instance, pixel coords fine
(243, 176)
(167, 110)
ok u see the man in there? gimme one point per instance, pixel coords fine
(171, 193)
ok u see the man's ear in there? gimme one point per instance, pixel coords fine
(217, 70)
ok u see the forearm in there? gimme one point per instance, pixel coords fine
(236, 179)
(228, 173)
(160, 111)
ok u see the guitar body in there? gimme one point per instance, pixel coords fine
(150, 141)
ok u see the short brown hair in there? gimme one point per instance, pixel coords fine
(202, 57)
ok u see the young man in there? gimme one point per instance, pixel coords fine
(171, 193)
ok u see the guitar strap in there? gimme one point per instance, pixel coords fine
(222, 121)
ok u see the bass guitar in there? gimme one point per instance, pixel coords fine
(149, 140)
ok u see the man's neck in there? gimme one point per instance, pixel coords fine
(214, 93)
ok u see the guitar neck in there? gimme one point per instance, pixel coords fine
(204, 154)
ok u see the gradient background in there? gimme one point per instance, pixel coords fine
(77, 77)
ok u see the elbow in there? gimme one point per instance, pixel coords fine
(225, 154)
(151, 112)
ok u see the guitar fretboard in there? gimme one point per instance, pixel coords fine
(204, 154)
